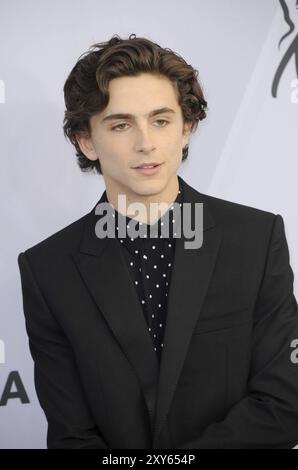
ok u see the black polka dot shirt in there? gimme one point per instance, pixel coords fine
(150, 261)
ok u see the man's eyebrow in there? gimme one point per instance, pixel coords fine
(131, 116)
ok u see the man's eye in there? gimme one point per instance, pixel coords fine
(118, 125)
(162, 120)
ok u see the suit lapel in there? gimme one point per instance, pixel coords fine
(106, 275)
(191, 275)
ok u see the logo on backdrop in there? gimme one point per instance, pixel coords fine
(291, 52)
(13, 385)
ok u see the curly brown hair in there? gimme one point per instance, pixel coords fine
(86, 88)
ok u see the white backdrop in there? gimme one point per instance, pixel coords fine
(245, 151)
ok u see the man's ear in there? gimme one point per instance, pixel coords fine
(186, 133)
(85, 143)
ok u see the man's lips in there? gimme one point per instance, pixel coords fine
(148, 170)
(148, 165)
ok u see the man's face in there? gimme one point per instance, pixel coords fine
(121, 144)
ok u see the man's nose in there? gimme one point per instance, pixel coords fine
(143, 141)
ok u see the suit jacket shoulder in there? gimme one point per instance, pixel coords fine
(227, 211)
(61, 242)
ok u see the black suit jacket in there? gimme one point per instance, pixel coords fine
(227, 377)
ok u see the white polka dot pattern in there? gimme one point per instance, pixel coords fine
(150, 263)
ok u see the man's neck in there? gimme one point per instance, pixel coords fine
(150, 216)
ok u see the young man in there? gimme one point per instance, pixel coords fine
(141, 341)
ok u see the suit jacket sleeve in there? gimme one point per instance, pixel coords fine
(58, 387)
(267, 417)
